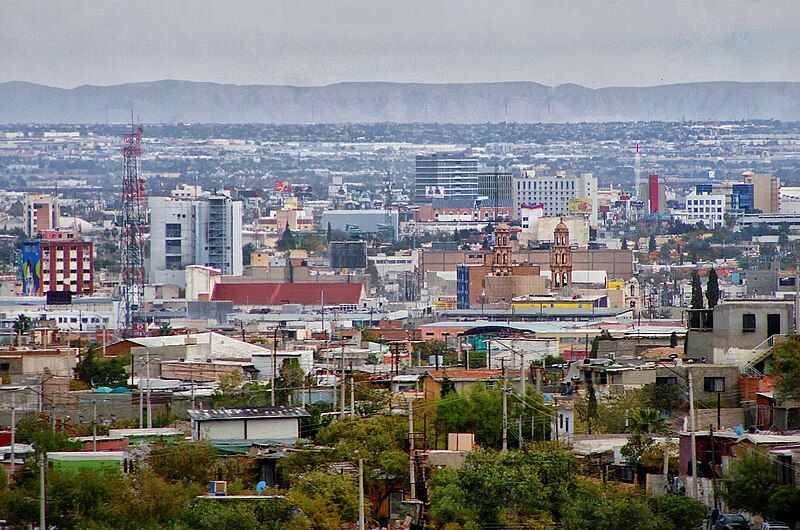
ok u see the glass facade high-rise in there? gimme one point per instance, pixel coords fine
(445, 176)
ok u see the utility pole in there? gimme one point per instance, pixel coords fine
(505, 413)
(523, 375)
(13, 432)
(343, 396)
(411, 471)
(274, 366)
(149, 391)
(361, 518)
(94, 425)
(42, 497)
(352, 395)
(692, 434)
(141, 395)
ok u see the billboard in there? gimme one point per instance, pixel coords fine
(30, 268)
(434, 192)
(579, 206)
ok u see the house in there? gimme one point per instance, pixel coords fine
(263, 424)
(735, 329)
(199, 347)
(461, 379)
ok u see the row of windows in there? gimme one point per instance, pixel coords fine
(705, 209)
(545, 185)
(84, 320)
(701, 202)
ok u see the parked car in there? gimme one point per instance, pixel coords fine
(774, 525)
(732, 521)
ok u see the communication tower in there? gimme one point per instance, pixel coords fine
(132, 224)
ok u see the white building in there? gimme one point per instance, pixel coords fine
(271, 423)
(42, 212)
(194, 232)
(705, 208)
(554, 193)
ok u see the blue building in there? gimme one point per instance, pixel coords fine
(462, 286)
(743, 198)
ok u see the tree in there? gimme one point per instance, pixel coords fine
(96, 370)
(787, 368)
(287, 240)
(22, 325)
(697, 300)
(651, 244)
(782, 505)
(328, 501)
(682, 512)
(524, 489)
(290, 378)
(664, 398)
(591, 414)
(750, 481)
(611, 508)
(673, 340)
(186, 462)
(247, 253)
(643, 423)
(329, 233)
(624, 245)
(165, 329)
(712, 289)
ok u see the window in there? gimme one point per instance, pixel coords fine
(5, 367)
(714, 384)
(666, 380)
(748, 323)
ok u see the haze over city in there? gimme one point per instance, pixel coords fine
(407, 265)
(595, 44)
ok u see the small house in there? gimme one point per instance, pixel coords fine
(262, 424)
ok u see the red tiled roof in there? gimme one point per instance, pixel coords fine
(289, 293)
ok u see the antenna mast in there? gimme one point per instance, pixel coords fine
(637, 173)
(132, 277)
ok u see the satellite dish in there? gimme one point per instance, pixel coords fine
(260, 487)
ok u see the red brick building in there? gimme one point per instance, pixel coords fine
(67, 262)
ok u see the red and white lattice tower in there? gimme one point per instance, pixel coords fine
(132, 225)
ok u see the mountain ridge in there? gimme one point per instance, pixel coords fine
(172, 101)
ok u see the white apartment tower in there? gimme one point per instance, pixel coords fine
(554, 192)
(42, 212)
(206, 231)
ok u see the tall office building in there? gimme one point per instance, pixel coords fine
(42, 212)
(766, 191)
(183, 232)
(494, 185)
(653, 194)
(225, 234)
(559, 194)
(445, 176)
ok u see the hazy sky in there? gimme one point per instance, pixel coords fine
(594, 43)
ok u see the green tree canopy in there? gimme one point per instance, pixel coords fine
(787, 368)
(712, 289)
(750, 481)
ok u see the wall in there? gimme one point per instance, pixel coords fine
(257, 429)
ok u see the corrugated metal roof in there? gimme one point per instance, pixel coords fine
(234, 414)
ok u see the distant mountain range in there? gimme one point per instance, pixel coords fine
(195, 102)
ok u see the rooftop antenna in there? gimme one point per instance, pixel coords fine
(637, 173)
